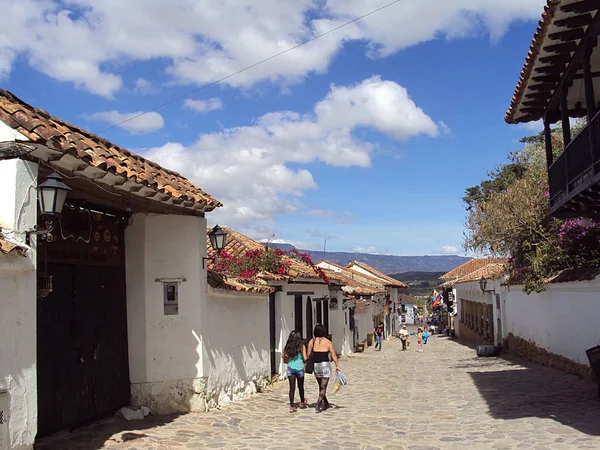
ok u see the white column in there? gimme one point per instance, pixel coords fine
(166, 350)
(18, 377)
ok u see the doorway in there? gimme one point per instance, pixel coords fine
(82, 351)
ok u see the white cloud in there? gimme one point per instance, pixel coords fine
(144, 87)
(370, 249)
(204, 106)
(451, 250)
(86, 42)
(246, 167)
(320, 234)
(147, 123)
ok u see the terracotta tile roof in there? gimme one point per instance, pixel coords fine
(490, 271)
(470, 267)
(407, 298)
(543, 34)
(11, 248)
(351, 285)
(361, 277)
(391, 281)
(238, 244)
(219, 281)
(42, 128)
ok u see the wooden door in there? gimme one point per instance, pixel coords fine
(272, 333)
(309, 318)
(83, 370)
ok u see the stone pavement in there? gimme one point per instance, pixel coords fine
(445, 398)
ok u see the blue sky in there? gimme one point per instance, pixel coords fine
(367, 137)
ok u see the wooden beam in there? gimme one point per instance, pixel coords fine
(552, 78)
(555, 68)
(548, 143)
(591, 33)
(581, 7)
(575, 21)
(579, 76)
(567, 47)
(562, 58)
(590, 98)
(569, 35)
(544, 87)
(566, 126)
(537, 95)
(534, 103)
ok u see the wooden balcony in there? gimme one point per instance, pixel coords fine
(574, 176)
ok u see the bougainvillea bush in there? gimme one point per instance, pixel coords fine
(265, 260)
(509, 216)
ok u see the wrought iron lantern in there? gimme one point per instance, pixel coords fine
(218, 240)
(483, 285)
(52, 194)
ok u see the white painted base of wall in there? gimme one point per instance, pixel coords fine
(174, 396)
(182, 396)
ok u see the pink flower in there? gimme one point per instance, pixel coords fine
(280, 270)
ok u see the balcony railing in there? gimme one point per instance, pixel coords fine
(577, 163)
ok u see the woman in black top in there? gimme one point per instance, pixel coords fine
(321, 348)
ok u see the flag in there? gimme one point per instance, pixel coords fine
(437, 298)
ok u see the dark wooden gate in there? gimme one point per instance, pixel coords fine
(82, 366)
(272, 333)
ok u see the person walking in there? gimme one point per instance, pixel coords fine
(378, 336)
(404, 336)
(294, 354)
(420, 340)
(321, 347)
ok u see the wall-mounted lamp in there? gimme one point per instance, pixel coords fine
(218, 240)
(483, 285)
(52, 194)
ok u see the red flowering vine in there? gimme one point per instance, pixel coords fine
(253, 262)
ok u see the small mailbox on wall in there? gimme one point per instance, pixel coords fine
(170, 295)
(171, 298)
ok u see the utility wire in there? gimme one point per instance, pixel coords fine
(212, 83)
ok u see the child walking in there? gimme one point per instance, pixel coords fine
(420, 340)
(294, 354)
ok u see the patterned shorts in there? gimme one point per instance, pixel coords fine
(322, 370)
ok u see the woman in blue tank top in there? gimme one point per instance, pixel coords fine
(294, 354)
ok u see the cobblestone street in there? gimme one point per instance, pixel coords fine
(444, 398)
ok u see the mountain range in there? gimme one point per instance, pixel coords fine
(387, 264)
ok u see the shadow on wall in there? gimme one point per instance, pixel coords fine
(536, 391)
(99, 435)
(235, 371)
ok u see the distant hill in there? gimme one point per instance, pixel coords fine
(419, 283)
(388, 263)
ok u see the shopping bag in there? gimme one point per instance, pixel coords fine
(340, 381)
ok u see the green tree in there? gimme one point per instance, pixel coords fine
(508, 215)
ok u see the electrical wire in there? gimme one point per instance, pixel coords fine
(212, 83)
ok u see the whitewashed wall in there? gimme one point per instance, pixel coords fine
(563, 319)
(235, 334)
(18, 377)
(165, 351)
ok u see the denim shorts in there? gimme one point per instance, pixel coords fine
(296, 372)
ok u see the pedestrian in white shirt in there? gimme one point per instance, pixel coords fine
(404, 337)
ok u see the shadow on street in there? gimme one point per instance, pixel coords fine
(537, 391)
(98, 434)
